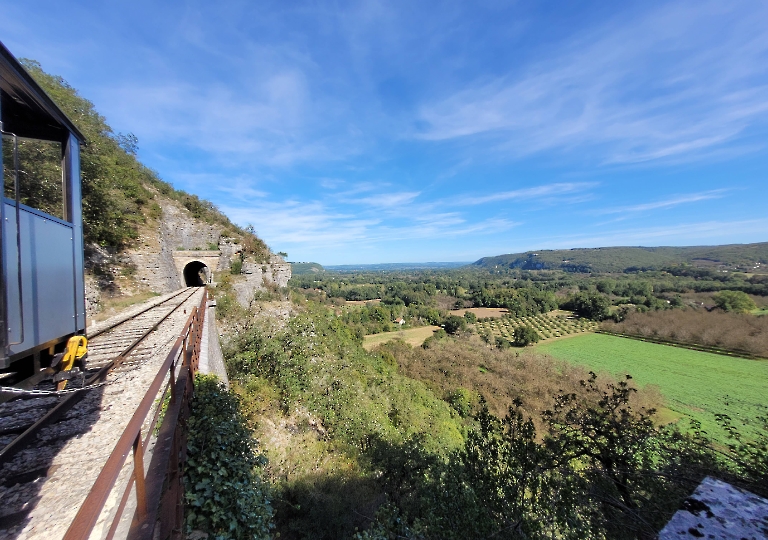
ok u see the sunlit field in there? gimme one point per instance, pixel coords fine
(695, 384)
(413, 336)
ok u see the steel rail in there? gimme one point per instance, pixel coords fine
(166, 452)
(21, 442)
(142, 312)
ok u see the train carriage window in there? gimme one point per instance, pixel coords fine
(41, 184)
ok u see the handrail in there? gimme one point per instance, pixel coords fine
(168, 453)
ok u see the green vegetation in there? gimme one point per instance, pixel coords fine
(409, 442)
(524, 336)
(413, 336)
(314, 374)
(547, 326)
(301, 268)
(592, 305)
(621, 259)
(736, 301)
(696, 384)
(225, 495)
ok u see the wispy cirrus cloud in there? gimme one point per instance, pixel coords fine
(536, 192)
(638, 88)
(670, 202)
(690, 233)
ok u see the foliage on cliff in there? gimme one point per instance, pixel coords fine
(119, 192)
(225, 495)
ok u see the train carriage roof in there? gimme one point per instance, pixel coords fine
(26, 109)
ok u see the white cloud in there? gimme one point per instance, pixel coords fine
(666, 203)
(702, 233)
(644, 88)
(536, 192)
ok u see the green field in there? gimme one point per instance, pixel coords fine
(695, 384)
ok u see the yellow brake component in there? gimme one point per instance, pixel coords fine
(77, 347)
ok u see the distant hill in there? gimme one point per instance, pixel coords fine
(299, 268)
(393, 267)
(619, 259)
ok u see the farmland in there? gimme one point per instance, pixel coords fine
(695, 384)
(548, 325)
(413, 336)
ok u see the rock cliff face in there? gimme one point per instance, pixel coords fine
(156, 261)
(261, 277)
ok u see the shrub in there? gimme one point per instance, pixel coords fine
(225, 495)
(236, 267)
(736, 301)
(461, 399)
(525, 335)
(454, 323)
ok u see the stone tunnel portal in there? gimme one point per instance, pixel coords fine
(196, 274)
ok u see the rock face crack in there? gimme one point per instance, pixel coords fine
(719, 510)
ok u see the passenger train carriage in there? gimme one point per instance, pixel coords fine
(42, 299)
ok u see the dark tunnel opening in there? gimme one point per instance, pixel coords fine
(195, 274)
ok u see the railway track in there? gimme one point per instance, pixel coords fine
(41, 418)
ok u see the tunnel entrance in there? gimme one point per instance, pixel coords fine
(195, 274)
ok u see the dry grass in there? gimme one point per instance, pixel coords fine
(481, 312)
(739, 332)
(500, 375)
(114, 305)
(362, 302)
(413, 336)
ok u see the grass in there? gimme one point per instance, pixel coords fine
(413, 336)
(695, 384)
(112, 306)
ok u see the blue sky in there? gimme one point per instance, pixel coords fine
(364, 132)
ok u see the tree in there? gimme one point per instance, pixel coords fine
(454, 323)
(470, 317)
(592, 305)
(736, 301)
(525, 335)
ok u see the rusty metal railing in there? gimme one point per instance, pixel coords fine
(159, 492)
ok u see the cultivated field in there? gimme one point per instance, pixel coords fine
(548, 325)
(413, 336)
(695, 384)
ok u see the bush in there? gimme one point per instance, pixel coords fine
(454, 323)
(224, 493)
(461, 399)
(236, 267)
(525, 335)
(470, 317)
(736, 301)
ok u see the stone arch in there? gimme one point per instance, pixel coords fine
(196, 274)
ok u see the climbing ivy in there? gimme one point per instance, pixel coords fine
(225, 495)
